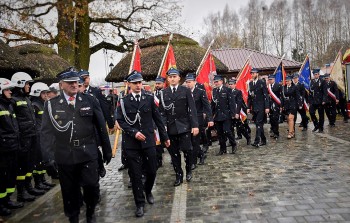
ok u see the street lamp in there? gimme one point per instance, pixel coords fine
(111, 65)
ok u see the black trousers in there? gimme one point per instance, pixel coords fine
(159, 154)
(258, 118)
(343, 108)
(72, 179)
(331, 112)
(304, 119)
(224, 132)
(241, 127)
(8, 172)
(275, 120)
(141, 161)
(181, 142)
(38, 163)
(197, 150)
(320, 109)
(26, 157)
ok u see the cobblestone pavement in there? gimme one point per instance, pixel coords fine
(305, 179)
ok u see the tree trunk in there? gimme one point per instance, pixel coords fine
(82, 37)
(65, 27)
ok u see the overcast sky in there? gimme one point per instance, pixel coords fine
(193, 13)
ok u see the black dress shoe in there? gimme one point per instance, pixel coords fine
(220, 153)
(129, 184)
(150, 198)
(255, 145)
(193, 166)
(74, 219)
(320, 131)
(315, 129)
(249, 141)
(4, 211)
(262, 144)
(188, 177)
(201, 160)
(272, 135)
(332, 125)
(14, 204)
(122, 167)
(238, 137)
(178, 182)
(139, 212)
(304, 129)
(346, 121)
(91, 219)
(234, 149)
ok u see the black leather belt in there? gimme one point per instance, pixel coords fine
(83, 141)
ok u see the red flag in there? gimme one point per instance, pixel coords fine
(243, 80)
(169, 61)
(137, 58)
(206, 74)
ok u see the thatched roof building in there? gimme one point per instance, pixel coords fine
(39, 61)
(187, 52)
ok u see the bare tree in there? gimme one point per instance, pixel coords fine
(82, 27)
(224, 28)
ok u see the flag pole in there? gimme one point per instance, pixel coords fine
(279, 63)
(117, 134)
(302, 67)
(205, 56)
(246, 62)
(164, 56)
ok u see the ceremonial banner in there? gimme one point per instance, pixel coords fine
(305, 73)
(206, 74)
(243, 79)
(337, 73)
(346, 57)
(280, 74)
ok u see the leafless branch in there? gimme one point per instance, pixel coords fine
(27, 36)
(122, 47)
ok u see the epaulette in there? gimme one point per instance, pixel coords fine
(148, 93)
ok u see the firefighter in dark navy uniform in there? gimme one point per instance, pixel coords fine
(302, 94)
(315, 98)
(258, 104)
(203, 113)
(241, 125)
(159, 86)
(224, 110)
(9, 138)
(136, 114)
(275, 93)
(330, 99)
(180, 116)
(71, 120)
(106, 110)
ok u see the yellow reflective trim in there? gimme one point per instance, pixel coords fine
(2, 195)
(35, 171)
(29, 174)
(4, 113)
(43, 172)
(10, 190)
(19, 103)
(40, 112)
(14, 115)
(21, 178)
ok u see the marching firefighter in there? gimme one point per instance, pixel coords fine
(330, 99)
(136, 114)
(73, 119)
